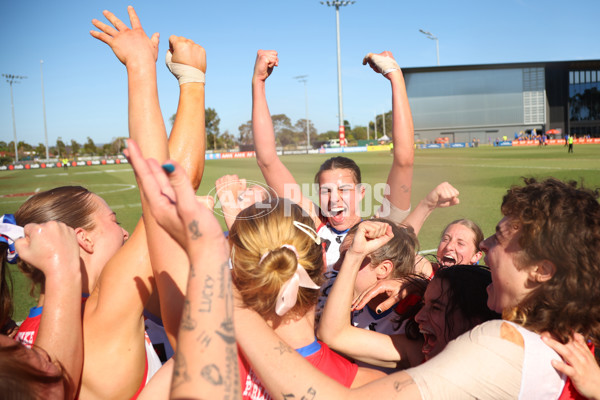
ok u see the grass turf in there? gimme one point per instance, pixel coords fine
(482, 176)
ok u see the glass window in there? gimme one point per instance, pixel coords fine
(588, 76)
(571, 78)
(593, 76)
(575, 77)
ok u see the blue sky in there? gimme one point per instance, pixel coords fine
(85, 86)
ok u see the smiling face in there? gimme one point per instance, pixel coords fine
(339, 196)
(434, 320)
(510, 283)
(457, 246)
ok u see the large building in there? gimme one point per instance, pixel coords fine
(491, 101)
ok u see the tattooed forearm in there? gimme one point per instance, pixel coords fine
(212, 374)
(207, 294)
(204, 339)
(180, 374)
(232, 377)
(283, 348)
(187, 322)
(310, 394)
(193, 227)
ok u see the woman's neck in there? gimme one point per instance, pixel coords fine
(298, 332)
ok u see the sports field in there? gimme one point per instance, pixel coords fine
(482, 176)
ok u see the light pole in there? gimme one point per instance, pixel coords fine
(337, 4)
(437, 43)
(10, 78)
(302, 78)
(44, 108)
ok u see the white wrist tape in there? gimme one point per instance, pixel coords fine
(384, 64)
(183, 73)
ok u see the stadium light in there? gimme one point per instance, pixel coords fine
(337, 4)
(44, 109)
(10, 78)
(437, 43)
(302, 78)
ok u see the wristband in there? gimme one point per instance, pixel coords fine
(385, 65)
(183, 73)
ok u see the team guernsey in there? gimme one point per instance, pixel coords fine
(28, 332)
(317, 353)
(331, 239)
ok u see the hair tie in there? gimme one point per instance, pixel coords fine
(9, 233)
(309, 231)
(288, 294)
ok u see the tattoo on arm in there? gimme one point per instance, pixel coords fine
(204, 338)
(207, 294)
(283, 348)
(179, 372)
(405, 188)
(193, 227)
(212, 374)
(400, 385)
(310, 394)
(187, 322)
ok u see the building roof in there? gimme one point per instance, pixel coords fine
(569, 65)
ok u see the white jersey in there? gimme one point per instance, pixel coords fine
(388, 322)
(332, 240)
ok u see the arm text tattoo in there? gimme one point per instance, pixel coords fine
(187, 322)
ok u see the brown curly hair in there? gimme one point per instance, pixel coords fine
(560, 223)
(262, 229)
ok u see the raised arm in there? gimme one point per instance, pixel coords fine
(114, 325)
(401, 173)
(206, 358)
(187, 143)
(336, 330)
(52, 248)
(443, 195)
(276, 174)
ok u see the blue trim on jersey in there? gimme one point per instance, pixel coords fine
(35, 311)
(336, 231)
(310, 349)
(384, 314)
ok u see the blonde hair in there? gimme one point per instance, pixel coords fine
(261, 230)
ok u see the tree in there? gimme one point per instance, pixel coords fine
(212, 122)
(61, 148)
(246, 133)
(359, 132)
(117, 145)
(40, 150)
(90, 147)
(75, 147)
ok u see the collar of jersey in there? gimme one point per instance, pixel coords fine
(309, 349)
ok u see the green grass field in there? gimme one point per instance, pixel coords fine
(482, 176)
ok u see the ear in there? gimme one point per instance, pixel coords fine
(543, 271)
(361, 191)
(476, 257)
(384, 270)
(84, 240)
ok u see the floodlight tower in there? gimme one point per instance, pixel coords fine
(302, 78)
(437, 43)
(10, 78)
(337, 4)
